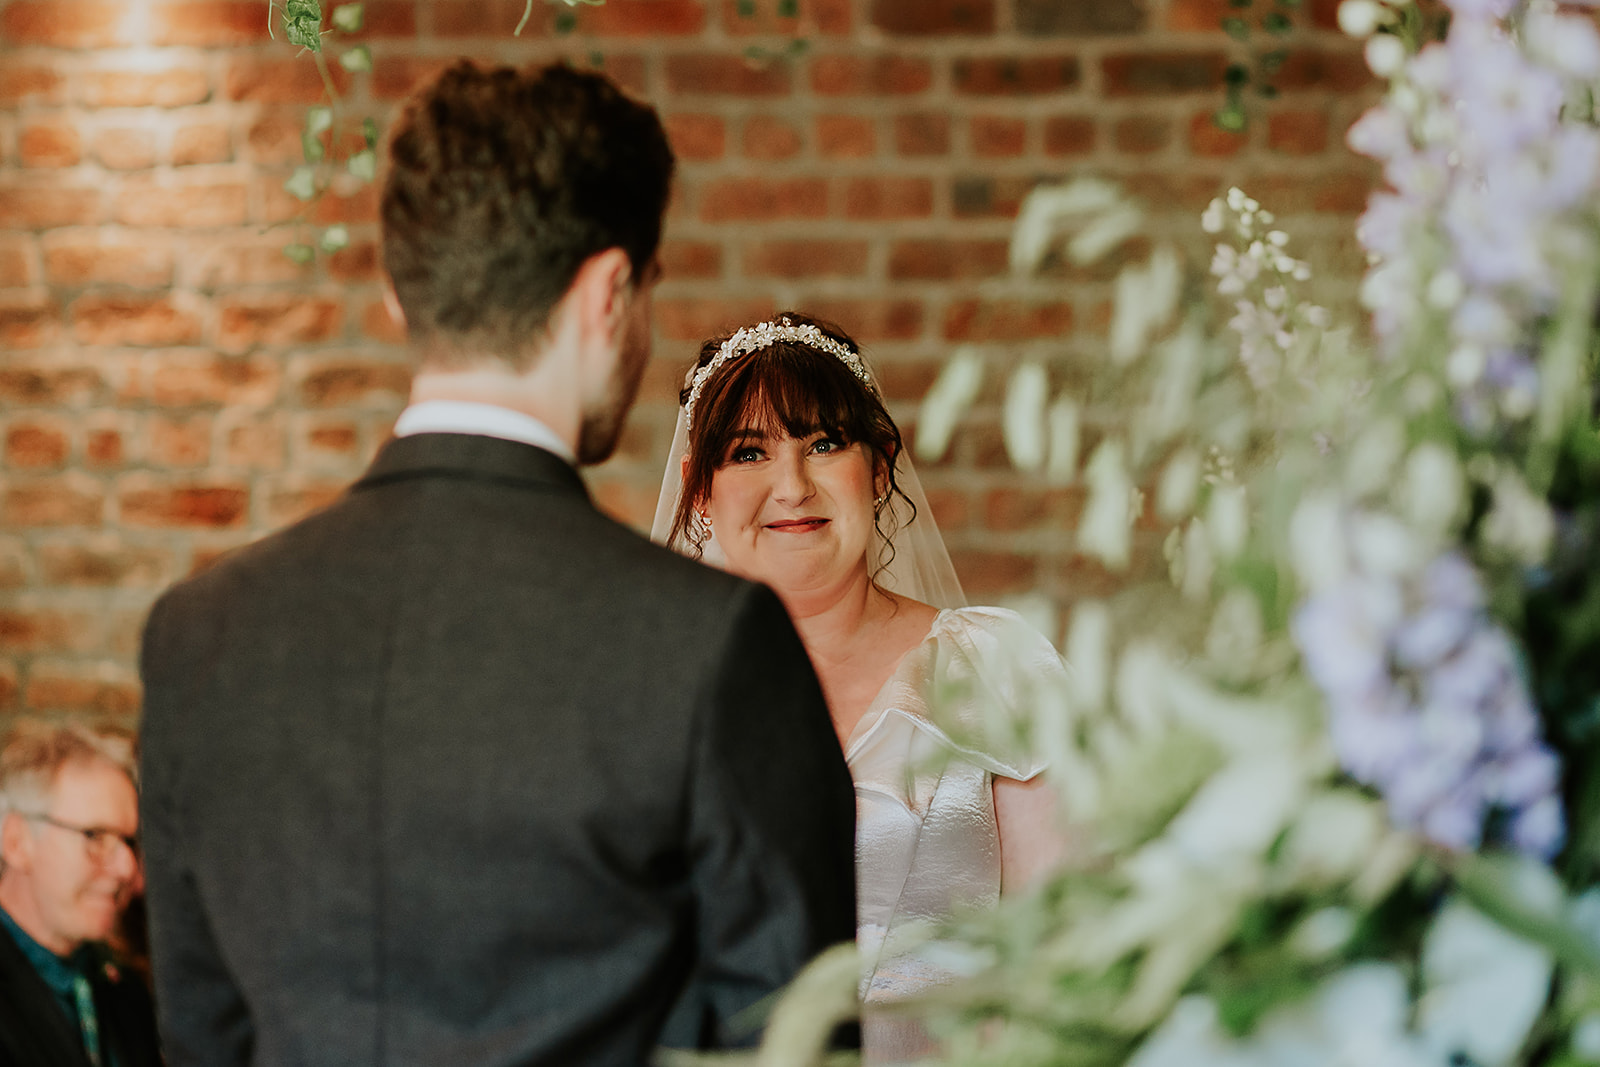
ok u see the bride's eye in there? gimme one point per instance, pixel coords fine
(824, 445)
(747, 454)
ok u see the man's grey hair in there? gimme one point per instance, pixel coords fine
(34, 751)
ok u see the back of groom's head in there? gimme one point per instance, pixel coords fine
(501, 184)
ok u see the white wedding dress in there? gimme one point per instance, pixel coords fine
(924, 757)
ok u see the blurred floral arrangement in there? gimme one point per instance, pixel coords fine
(1336, 778)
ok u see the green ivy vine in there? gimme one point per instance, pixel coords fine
(1262, 65)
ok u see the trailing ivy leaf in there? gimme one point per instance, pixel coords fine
(1272, 62)
(1268, 92)
(348, 17)
(364, 165)
(300, 253)
(319, 120)
(1236, 28)
(566, 22)
(1277, 24)
(335, 238)
(302, 23)
(1239, 3)
(796, 48)
(311, 146)
(597, 59)
(1236, 76)
(357, 59)
(1289, 3)
(302, 185)
(746, 9)
(369, 132)
(788, 9)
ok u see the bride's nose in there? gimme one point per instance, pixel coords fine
(793, 485)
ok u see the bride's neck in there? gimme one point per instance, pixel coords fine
(830, 620)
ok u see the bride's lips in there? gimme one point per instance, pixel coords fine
(805, 525)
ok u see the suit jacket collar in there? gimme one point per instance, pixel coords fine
(30, 1015)
(472, 457)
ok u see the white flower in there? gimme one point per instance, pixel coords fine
(1385, 53)
(1238, 813)
(1360, 18)
(1062, 465)
(1317, 543)
(1180, 480)
(1322, 933)
(1432, 489)
(1104, 531)
(1023, 417)
(1333, 839)
(947, 400)
(1486, 986)
(1519, 522)
(1088, 649)
(1228, 520)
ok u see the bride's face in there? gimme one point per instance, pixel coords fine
(794, 512)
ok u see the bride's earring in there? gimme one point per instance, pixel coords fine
(699, 526)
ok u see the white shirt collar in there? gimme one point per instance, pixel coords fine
(485, 420)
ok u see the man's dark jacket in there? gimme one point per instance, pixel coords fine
(460, 771)
(35, 1032)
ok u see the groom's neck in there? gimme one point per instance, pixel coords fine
(548, 390)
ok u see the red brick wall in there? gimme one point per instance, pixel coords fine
(172, 385)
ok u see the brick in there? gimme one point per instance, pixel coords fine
(1161, 72)
(201, 142)
(628, 71)
(760, 198)
(64, 23)
(277, 321)
(338, 438)
(37, 445)
(1141, 134)
(279, 81)
(1005, 320)
(1056, 18)
(104, 448)
(17, 264)
(1010, 76)
(383, 19)
(993, 137)
(871, 321)
(903, 379)
(187, 205)
(1069, 135)
(182, 379)
(830, 18)
(46, 384)
(290, 504)
(950, 507)
(10, 686)
(947, 260)
(36, 629)
(643, 18)
(143, 501)
(356, 262)
(22, 82)
(922, 134)
(1211, 141)
(71, 499)
(691, 259)
(177, 87)
(338, 382)
(274, 136)
(705, 73)
(846, 136)
(238, 259)
(105, 561)
(28, 320)
(123, 319)
(34, 205)
(1343, 71)
(888, 198)
(487, 18)
(398, 76)
(99, 688)
(378, 323)
(14, 559)
(1298, 133)
(49, 144)
(1198, 16)
(1011, 509)
(697, 319)
(988, 574)
(1181, 190)
(357, 206)
(983, 197)
(210, 23)
(696, 137)
(125, 148)
(770, 138)
(173, 441)
(933, 18)
(876, 75)
(805, 259)
(75, 258)
(253, 441)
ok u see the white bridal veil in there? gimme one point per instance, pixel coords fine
(918, 565)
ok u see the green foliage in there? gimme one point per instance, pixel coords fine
(1234, 115)
(302, 23)
(357, 59)
(347, 18)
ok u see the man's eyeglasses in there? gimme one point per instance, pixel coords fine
(99, 842)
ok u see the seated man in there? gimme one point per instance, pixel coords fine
(68, 816)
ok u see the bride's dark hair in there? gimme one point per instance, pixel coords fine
(793, 387)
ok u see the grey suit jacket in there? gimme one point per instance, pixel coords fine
(461, 772)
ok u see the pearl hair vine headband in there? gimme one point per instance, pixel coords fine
(763, 335)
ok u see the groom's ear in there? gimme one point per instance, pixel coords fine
(602, 292)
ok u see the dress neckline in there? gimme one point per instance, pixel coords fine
(874, 716)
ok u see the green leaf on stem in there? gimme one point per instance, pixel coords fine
(302, 23)
(1267, 92)
(1236, 76)
(335, 238)
(788, 9)
(1241, 4)
(597, 59)
(1277, 24)
(319, 120)
(311, 146)
(357, 59)
(369, 132)
(364, 165)
(746, 8)
(566, 22)
(1272, 62)
(300, 253)
(1236, 28)
(347, 18)
(302, 185)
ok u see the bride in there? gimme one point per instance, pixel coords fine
(787, 469)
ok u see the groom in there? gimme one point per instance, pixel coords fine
(459, 771)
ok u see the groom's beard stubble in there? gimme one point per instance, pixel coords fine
(601, 427)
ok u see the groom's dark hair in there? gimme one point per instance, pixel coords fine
(500, 184)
